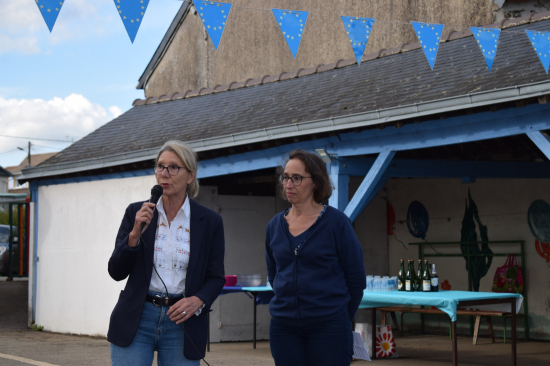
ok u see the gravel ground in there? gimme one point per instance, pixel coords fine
(21, 346)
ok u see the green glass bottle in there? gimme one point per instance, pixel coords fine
(426, 278)
(418, 279)
(401, 277)
(409, 280)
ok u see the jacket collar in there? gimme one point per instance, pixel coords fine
(197, 237)
(149, 238)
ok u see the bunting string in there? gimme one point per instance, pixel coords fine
(292, 23)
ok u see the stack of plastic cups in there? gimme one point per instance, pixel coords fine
(386, 283)
(394, 282)
(377, 284)
(370, 280)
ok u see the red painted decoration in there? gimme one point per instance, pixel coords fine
(446, 285)
(543, 249)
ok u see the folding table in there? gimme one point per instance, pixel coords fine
(448, 302)
(260, 294)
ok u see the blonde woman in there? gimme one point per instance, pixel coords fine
(175, 270)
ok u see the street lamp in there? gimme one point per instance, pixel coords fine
(28, 151)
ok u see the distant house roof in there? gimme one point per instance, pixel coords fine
(4, 172)
(328, 98)
(36, 159)
(163, 46)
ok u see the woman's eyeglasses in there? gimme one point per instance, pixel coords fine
(295, 179)
(172, 169)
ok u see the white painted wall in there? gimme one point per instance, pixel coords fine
(77, 227)
(78, 224)
(502, 205)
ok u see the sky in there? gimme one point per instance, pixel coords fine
(65, 84)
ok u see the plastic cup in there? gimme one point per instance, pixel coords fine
(377, 284)
(369, 283)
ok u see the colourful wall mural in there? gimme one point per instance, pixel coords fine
(479, 265)
(418, 220)
(538, 218)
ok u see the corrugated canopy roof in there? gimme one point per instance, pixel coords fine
(328, 91)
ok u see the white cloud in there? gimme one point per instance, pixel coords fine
(58, 119)
(115, 111)
(22, 24)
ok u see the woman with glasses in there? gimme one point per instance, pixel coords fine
(172, 255)
(315, 266)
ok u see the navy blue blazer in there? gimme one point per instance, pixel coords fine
(205, 275)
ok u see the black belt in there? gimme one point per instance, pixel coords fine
(158, 300)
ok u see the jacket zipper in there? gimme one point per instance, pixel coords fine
(296, 265)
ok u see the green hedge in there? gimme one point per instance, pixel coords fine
(5, 218)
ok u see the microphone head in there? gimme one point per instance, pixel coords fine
(156, 192)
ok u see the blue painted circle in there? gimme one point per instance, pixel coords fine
(538, 218)
(418, 220)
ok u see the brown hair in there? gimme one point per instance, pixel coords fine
(316, 168)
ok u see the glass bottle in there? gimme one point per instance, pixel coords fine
(435, 279)
(410, 277)
(418, 280)
(401, 277)
(426, 278)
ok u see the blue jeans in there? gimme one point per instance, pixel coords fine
(156, 332)
(311, 342)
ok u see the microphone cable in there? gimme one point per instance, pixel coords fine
(166, 288)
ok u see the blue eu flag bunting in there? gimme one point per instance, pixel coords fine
(131, 12)
(50, 10)
(292, 24)
(359, 31)
(214, 17)
(541, 44)
(487, 40)
(429, 36)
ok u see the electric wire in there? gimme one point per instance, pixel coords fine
(47, 147)
(166, 288)
(34, 138)
(9, 152)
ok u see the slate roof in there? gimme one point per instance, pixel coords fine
(403, 77)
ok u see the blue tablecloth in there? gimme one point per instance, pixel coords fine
(446, 301)
(264, 296)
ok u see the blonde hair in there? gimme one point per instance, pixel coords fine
(189, 158)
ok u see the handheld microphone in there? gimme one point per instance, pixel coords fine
(156, 192)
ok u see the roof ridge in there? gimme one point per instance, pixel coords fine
(449, 36)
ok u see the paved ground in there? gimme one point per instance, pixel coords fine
(20, 346)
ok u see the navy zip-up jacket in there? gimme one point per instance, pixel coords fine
(324, 277)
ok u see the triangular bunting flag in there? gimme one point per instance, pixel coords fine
(214, 17)
(359, 31)
(292, 24)
(131, 12)
(50, 10)
(429, 36)
(541, 44)
(487, 39)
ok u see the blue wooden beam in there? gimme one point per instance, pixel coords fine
(455, 130)
(364, 192)
(340, 194)
(377, 189)
(255, 160)
(542, 140)
(409, 168)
